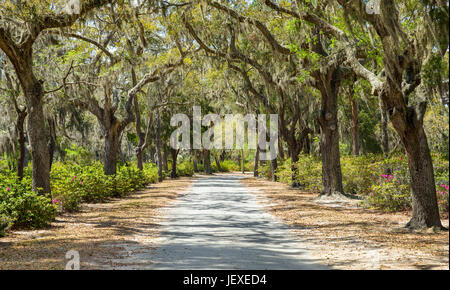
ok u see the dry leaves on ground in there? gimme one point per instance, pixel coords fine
(345, 236)
(99, 232)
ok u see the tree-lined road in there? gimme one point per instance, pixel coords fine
(219, 224)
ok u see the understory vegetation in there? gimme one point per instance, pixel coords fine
(384, 183)
(72, 184)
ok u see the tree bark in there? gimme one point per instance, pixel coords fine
(194, 162)
(52, 139)
(409, 126)
(140, 135)
(21, 138)
(294, 159)
(384, 130)
(329, 142)
(243, 161)
(174, 153)
(239, 160)
(355, 125)
(255, 168)
(280, 148)
(164, 160)
(158, 146)
(36, 134)
(111, 151)
(273, 169)
(219, 168)
(207, 162)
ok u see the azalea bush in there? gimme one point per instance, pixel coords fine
(389, 194)
(360, 173)
(72, 184)
(309, 172)
(384, 182)
(284, 171)
(229, 165)
(185, 168)
(5, 223)
(265, 171)
(442, 197)
(20, 206)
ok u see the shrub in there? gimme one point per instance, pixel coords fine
(442, 198)
(441, 169)
(150, 173)
(309, 172)
(359, 173)
(284, 171)
(73, 184)
(185, 168)
(265, 170)
(5, 223)
(389, 195)
(24, 207)
(226, 165)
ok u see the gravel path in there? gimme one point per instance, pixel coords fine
(219, 224)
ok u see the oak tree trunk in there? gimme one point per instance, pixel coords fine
(409, 126)
(194, 162)
(174, 153)
(207, 162)
(22, 146)
(280, 148)
(255, 168)
(329, 141)
(52, 139)
(164, 160)
(384, 130)
(219, 168)
(36, 134)
(158, 146)
(355, 126)
(111, 151)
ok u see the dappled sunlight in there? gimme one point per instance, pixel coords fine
(99, 232)
(344, 235)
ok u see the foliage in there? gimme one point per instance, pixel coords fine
(284, 171)
(389, 195)
(21, 206)
(185, 168)
(309, 172)
(72, 184)
(384, 182)
(5, 223)
(442, 197)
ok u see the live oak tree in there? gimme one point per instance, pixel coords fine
(404, 56)
(122, 66)
(20, 25)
